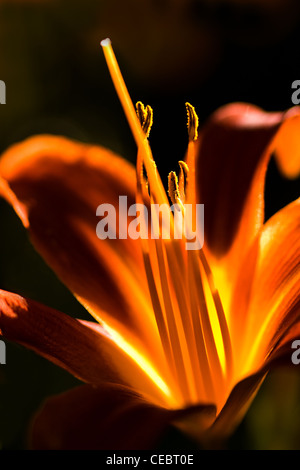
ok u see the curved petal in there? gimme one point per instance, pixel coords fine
(287, 146)
(244, 391)
(108, 418)
(282, 351)
(56, 186)
(56, 336)
(84, 349)
(267, 298)
(232, 154)
(236, 407)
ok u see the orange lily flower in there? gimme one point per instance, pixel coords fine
(182, 336)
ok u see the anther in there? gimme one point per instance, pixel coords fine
(173, 191)
(140, 111)
(145, 116)
(183, 179)
(192, 122)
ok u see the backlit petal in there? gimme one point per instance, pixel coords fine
(235, 407)
(267, 299)
(84, 349)
(57, 185)
(244, 391)
(232, 154)
(287, 146)
(56, 336)
(285, 348)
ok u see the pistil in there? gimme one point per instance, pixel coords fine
(190, 319)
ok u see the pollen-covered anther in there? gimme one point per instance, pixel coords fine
(145, 116)
(192, 122)
(173, 191)
(183, 180)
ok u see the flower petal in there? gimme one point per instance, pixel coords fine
(108, 418)
(54, 335)
(282, 351)
(267, 299)
(287, 146)
(235, 407)
(56, 186)
(84, 349)
(244, 391)
(232, 154)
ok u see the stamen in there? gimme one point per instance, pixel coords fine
(181, 372)
(183, 179)
(207, 390)
(145, 115)
(173, 191)
(192, 122)
(144, 156)
(221, 316)
(141, 112)
(159, 316)
(210, 343)
(175, 279)
(178, 280)
(148, 121)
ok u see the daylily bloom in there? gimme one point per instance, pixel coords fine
(182, 336)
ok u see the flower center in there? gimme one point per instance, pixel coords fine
(190, 319)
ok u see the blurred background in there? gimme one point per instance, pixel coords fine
(207, 52)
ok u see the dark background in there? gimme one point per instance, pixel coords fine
(209, 53)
